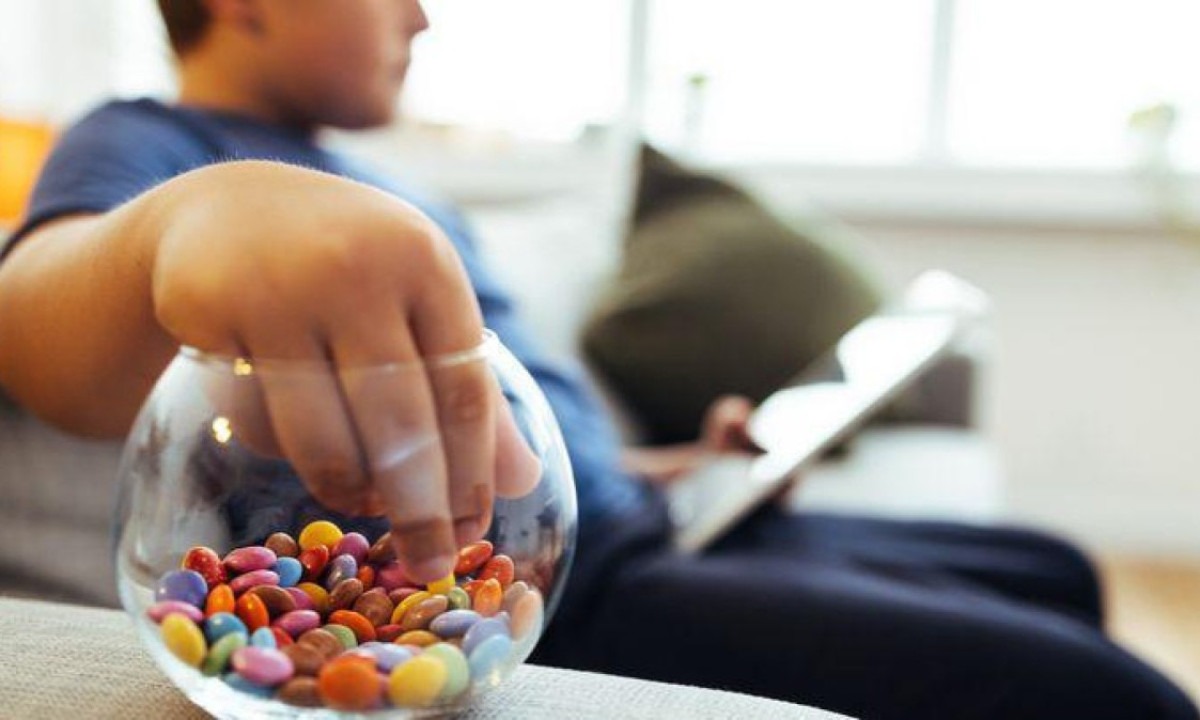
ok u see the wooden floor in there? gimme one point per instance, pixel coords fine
(1154, 610)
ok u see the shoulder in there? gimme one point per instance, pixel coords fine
(133, 130)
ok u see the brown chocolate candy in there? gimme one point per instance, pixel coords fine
(323, 640)
(300, 691)
(419, 617)
(382, 551)
(307, 658)
(375, 606)
(277, 600)
(344, 594)
(282, 545)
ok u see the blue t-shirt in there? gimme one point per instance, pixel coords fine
(124, 148)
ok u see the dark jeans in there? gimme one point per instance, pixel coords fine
(874, 618)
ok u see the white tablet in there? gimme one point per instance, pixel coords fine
(868, 367)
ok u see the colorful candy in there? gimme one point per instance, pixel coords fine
(329, 619)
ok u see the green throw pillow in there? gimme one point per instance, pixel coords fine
(716, 295)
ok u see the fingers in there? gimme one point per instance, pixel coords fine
(466, 412)
(726, 425)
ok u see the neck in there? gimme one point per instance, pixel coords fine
(209, 86)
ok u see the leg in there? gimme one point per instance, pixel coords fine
(838, 636)
(1021, 564)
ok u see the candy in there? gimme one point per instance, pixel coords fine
(252, 611)
(454, 623)
(353, 544)
(184, 639)
(206, 562)
(362, 628)
(487, 657)
(441, 587)
(417, 682)
(408, 603)
(282, 639)
(375, 607)
(220, 599)
(344, 635)
(306, 658)
(366, 575)
(319, 533)
(254, 578)
(348, 685)
(512, 594)
(262, 666)
(163, 608)
(501, 568)
(184, 585)
(263, 637)
(398, 595)
(481, 631)
(388, 633)
(472, 557)
(382, 551)
(528, 614)
(459, 599)
(301, 692)
(419, 638)
(302, 599)
(458, 671)
(277, 600)
(345, 594)
(298, 622)
(387, 655)
(249, 559)
(317, 594)
(488, 598)
(222, 624)
(282, 545)
(218, 654)
(419, 617)
(289, 571)
(241, 684)
(314, 560)
(342, 567)
(324, 641)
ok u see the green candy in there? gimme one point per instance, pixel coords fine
(459, 599)
(218, 654)
(458, 672)
(344, 635)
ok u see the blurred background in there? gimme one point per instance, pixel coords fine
(1046, 151)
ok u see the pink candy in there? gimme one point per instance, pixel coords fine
(262, 666)
(248, 559)
(242, 583)
(163, 608)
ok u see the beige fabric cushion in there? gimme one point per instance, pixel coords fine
(69, 661)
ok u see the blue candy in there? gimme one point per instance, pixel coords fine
(289, 571)
(489, 655)
(481, 631)
(184, 585)
(221, 624)
(454, 623)
(387, 655)
(237, 682)
(340, 568)
(264, 638)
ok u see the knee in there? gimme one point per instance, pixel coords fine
(1074, 573)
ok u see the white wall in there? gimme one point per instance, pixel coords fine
(1095, 381)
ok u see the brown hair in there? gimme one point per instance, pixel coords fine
(186, 21)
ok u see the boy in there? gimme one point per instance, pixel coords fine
(138, 241)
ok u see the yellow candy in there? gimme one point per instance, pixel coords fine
(319, 532)
(418, 682)
(184, 639)
(406, 603)
(316, 593)
(441, 587)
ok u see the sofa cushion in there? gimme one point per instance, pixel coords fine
(716, 295)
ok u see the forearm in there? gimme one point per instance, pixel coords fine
(79, 343)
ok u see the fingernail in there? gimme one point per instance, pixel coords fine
(467, 531)
(430, 569)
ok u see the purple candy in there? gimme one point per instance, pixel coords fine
(386, 655)
(160, 610)
(390, 576)
(454, 623)
(303, 601)
(340, 568)
(184, 585)
(298, 622)
(353, 544)
(249, 559)
(262, 666)
(242, 583)
(483, 630)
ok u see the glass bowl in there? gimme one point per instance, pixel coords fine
(202, 476)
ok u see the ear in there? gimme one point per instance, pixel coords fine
(245, 15)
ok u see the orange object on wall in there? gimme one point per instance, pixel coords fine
(23, 148)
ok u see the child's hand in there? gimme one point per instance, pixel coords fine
(274, 262)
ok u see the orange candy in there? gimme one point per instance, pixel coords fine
(366, 576)
(349, 684)
(314, 560)
(362, 628)
(500, 567)
(220, 599)
(253, 611)
(488, 598)
(472, 556)
(471, 587)
(282, 639)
